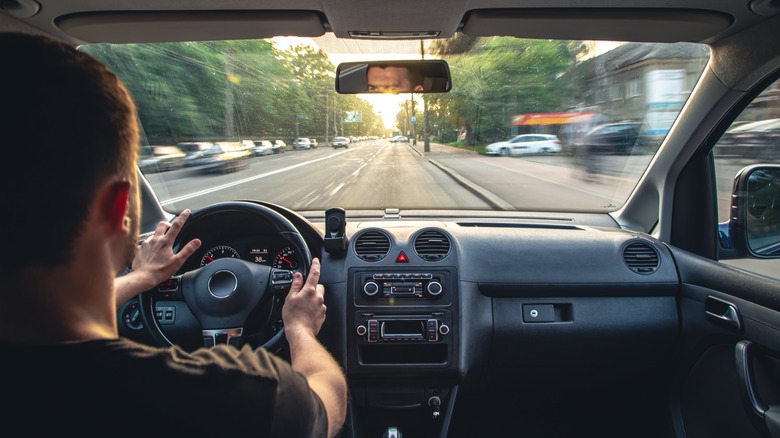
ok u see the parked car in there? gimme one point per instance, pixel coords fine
(263, 147)
(194, 151)
(160, 158)
(525, 144)
(339, 142)
(223, 158)
(279, 146)
(399, 139)
(302, 143)
(314, 143)
(759, 139)
(612, 138)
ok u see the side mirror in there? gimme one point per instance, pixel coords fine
(393, 77)
(754, 225)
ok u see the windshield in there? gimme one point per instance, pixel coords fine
(592, 115)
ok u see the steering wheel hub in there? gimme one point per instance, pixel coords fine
(222, 284)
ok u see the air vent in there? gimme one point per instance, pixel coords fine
(432, 245)
(372, 246)
(641, 258)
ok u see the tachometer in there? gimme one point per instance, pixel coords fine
(218, 252)
(286, 259)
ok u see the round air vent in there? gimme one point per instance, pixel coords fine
(432, 245)
(372, 246)
(641, 258)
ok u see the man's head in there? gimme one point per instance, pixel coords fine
(392, 79)
(69, 128)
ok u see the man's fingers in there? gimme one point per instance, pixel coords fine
(187, 250)
(297, 284)
(177, 224)
(314, 273)
(161, 229)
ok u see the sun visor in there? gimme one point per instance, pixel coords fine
(156, 26)
(671, 25)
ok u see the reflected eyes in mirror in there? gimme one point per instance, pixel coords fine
(393, 77)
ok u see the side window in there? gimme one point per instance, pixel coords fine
(753, 138)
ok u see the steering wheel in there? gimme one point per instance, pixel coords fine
(223, 294)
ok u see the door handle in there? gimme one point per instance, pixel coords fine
(765, 418)
(722, 312)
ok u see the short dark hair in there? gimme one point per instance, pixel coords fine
(69, 124)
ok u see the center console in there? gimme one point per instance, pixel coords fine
(402, 349)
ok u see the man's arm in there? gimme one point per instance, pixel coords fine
(303, 314)
(154, 260)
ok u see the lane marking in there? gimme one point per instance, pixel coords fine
(249, 179)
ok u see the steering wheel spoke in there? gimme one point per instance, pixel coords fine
(231, 336)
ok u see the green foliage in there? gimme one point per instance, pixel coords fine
(234, 90)
(494, 78)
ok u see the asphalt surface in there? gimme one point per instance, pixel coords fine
(379, 174)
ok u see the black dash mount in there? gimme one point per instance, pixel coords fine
(335, 229)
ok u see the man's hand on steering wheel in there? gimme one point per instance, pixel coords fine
(304, 309)
(155, 260)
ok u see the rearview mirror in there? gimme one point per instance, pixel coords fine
(393, 77)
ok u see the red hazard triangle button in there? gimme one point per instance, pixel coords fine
(402, 258)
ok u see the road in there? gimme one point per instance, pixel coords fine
(379, 174)
(367, 175)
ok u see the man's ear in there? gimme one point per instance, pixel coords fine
(114, 205)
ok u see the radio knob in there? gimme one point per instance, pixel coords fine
(444, 329)
(434, 288)
(370, 288)
(361, 330)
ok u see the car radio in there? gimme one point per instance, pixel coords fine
(431, 327)
(401, 285)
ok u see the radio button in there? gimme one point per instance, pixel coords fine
(373, 330)
(361, 330)
(370, 288)
(434, 288)
(444, 329)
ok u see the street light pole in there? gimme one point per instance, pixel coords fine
(426, 124)
(327, 104)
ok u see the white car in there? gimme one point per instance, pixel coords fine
(526, 144)
(302, 143)
(263, 147)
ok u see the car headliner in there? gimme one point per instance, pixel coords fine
(81, 21)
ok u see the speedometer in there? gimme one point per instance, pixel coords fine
(286, 259)
(218, 252)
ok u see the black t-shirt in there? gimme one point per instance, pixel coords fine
(119, 387)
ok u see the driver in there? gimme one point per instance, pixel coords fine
(392, 79)
(73, 228)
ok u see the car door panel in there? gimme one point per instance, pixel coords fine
(720, 307)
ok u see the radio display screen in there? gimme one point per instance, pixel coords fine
(403, 328)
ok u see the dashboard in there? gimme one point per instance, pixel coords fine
(419, 309)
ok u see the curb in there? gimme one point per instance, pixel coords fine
(482, 193)
(493, 200)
